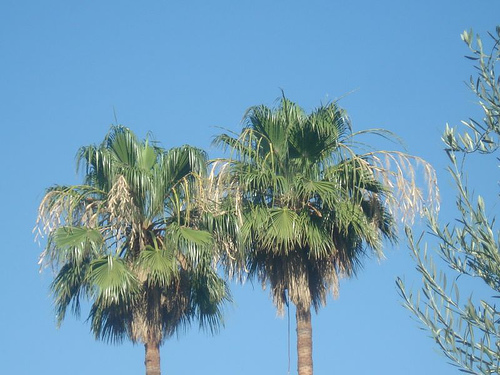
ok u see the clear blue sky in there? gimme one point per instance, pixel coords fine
(180, 69)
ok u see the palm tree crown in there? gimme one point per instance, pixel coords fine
(131, 240)
(309, 207)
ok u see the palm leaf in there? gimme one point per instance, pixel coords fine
(159, 266)
(67, 288)
(113, 280)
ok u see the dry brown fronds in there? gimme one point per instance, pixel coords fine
(123, 214)
(65, 206)
(412, 194)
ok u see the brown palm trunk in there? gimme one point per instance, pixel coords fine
(304, 341)
(152, 361)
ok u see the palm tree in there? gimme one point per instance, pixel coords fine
(309, 208)
(131, 241)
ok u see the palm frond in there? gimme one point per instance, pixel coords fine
(158, 266)
(68, 287)
(115, 283)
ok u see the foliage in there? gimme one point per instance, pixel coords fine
(132, 241)
(467, 333)
(303, 208)
(306, 204)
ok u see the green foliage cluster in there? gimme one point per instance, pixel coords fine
(125, 241)
(298, 204)
(467, 333)
(308, 205)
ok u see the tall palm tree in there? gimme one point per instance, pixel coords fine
(309, 207)
(131, 241)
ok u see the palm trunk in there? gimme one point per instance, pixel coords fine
(304, 341)
(152, 361)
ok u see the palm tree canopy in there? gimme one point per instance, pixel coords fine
(309, 207)
(131, 241)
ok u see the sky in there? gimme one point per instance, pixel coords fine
(182, 70)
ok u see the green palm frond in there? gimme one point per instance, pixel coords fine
(113, 281)
(75, 244)
(179, 162)
(194, 246)
(198, 237)
(158, 266)
(147, 157)
(316, 237)
(123, 145)
(115, 290)
(79, 237)
(279, 232)
(68, 287)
